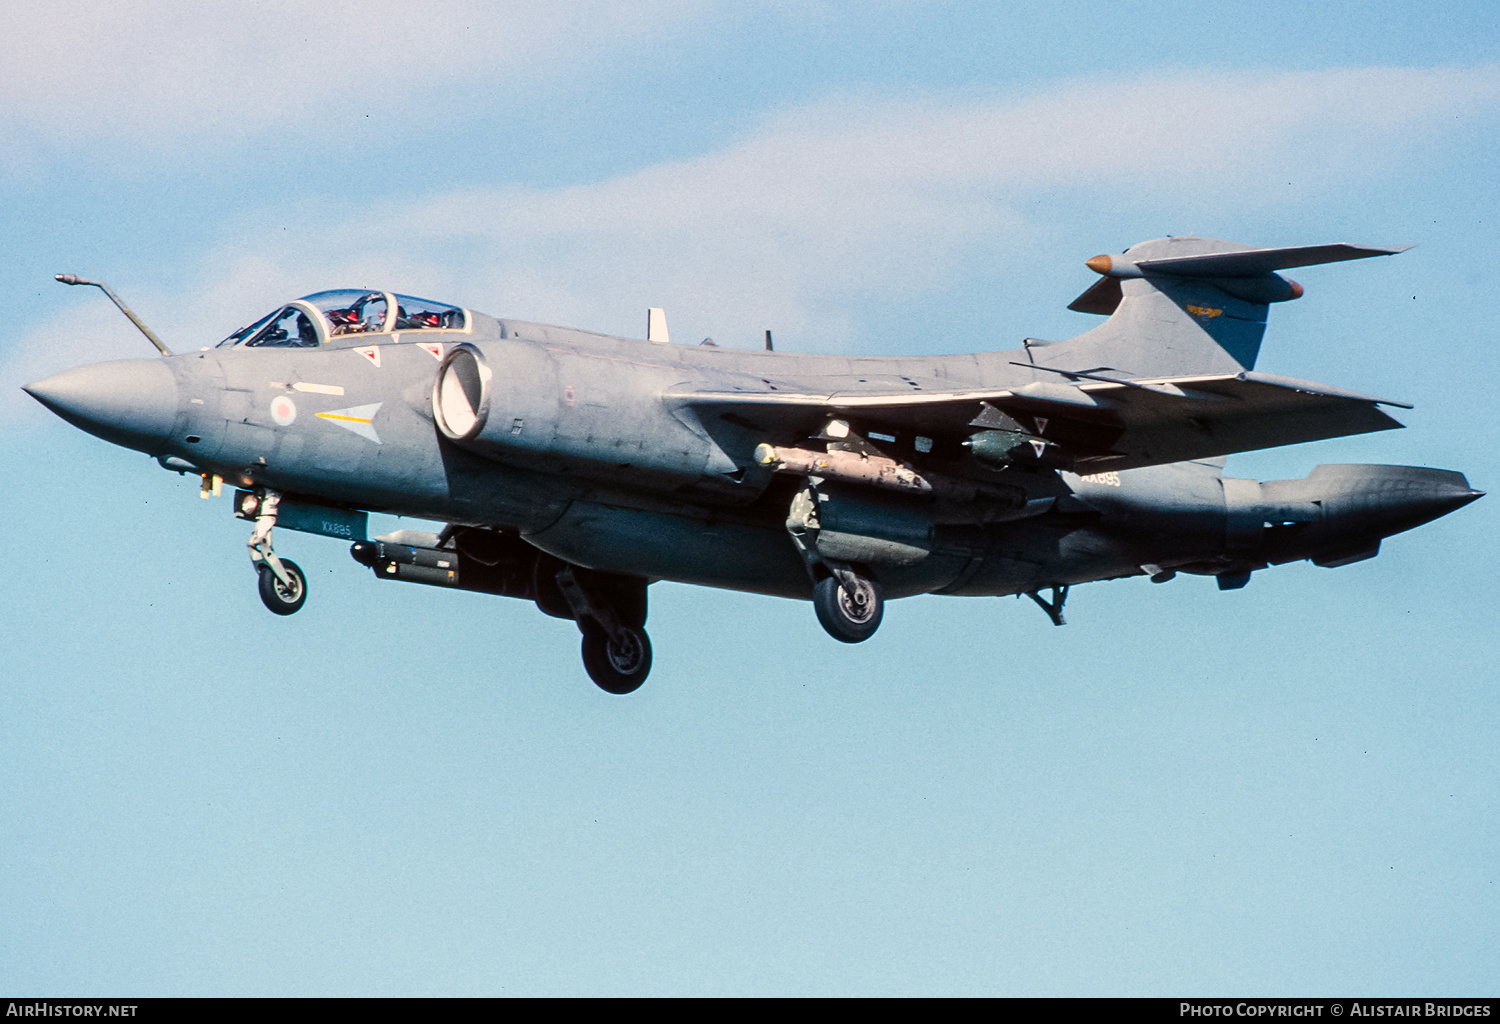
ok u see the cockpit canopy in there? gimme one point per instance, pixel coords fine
(318, 319)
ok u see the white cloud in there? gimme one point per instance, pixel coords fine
(847, 198)
(158, 72)
(792, 226)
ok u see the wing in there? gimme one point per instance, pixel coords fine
(1103, 424)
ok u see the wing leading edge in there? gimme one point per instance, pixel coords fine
(1104, 424)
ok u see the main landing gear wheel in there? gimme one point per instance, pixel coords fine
(278, 596)
(850, 613)
(618, 664)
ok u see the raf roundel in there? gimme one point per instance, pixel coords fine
(283, 410)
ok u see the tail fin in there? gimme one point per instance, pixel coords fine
(1189, 305)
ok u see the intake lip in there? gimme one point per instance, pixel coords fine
(129, 402)
(461, 394)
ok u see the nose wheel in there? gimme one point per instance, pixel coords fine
(283, 596)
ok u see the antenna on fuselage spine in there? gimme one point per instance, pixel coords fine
(656, 325)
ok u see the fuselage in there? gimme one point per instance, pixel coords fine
(574, 469)
(586, 457)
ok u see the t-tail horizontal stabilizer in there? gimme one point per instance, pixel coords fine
(1105, 294)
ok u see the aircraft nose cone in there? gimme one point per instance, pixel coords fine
(130, 402)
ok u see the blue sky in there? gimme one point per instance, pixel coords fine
(1286, 789)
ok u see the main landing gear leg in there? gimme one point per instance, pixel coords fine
(1054, 607)
(283, 587)
(848, 605)
(616, 655)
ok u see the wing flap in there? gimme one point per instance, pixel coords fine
(1226, 415)
(1107, 425)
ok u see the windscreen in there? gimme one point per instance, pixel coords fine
(246, 332)
(288, 327)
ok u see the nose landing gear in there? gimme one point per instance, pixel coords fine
(283, 586)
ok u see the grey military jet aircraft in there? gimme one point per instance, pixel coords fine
(574, 469)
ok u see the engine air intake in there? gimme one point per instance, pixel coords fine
(461, 395)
